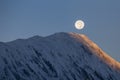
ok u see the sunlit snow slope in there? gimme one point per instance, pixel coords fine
(61, 56)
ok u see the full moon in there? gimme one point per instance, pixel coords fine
(79, 24)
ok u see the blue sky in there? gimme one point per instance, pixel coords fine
(26, 18)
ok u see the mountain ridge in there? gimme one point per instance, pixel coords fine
(61, 56)
(99, 52)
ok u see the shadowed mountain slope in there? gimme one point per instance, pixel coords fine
(61, 56)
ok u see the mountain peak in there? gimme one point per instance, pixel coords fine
(91, 46)
(94, 48)
(61, 56)
(80, 39)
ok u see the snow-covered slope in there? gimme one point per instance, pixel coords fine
(61, 56)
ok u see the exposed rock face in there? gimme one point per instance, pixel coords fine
(62, 56)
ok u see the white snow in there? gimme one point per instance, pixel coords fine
(62, 56)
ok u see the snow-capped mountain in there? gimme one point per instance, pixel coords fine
(61, 56)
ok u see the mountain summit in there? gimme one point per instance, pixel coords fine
(61, 56)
